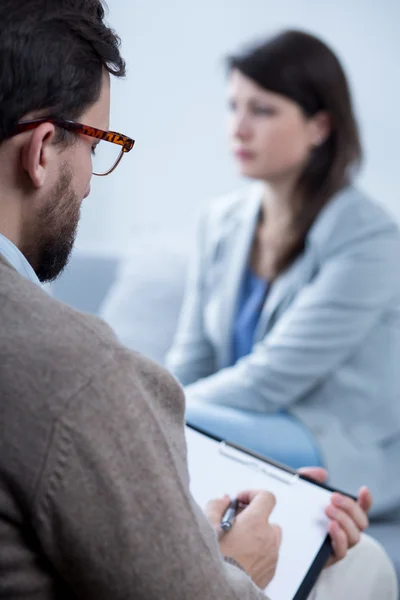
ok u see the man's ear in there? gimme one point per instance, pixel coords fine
(36, 153)
(321, 127)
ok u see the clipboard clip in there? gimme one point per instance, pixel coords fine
(231, 453)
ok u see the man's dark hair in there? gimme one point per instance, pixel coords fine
(52, 56)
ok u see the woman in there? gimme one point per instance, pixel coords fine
(289, 335)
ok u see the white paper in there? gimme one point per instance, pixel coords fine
(299, 508)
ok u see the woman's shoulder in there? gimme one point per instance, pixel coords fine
(351, 216)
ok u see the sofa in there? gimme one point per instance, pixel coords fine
(140, 295)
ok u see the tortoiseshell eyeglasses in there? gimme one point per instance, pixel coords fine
(105, 157)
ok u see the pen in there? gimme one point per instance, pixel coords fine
(229, 515)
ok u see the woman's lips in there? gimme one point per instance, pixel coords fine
(242, 154)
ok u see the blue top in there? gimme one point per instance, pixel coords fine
(251, 300)
(17, 260)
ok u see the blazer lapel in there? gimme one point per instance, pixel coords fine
(284, 289)
(237, 245)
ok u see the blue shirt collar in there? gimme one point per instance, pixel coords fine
(17, 260)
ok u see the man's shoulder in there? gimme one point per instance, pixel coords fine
(56, 358)
(56, 347)
(51, 349)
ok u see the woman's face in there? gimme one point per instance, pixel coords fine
(269, 135)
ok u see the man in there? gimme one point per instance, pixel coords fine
(94, 499)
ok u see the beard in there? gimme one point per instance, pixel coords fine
(58, 225)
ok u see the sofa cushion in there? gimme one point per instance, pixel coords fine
(144, 303)
(85, 280)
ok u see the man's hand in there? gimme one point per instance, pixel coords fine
(253, 542)
(347, 517)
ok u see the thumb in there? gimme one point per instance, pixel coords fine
(215, 509)
(316, 473)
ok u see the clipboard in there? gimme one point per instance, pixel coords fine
(217, 467)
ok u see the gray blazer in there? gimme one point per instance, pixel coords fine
(328, 340)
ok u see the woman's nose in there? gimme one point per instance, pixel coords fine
(241, 128)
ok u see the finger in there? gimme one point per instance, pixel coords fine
(352, 508)
(258, 501)
(346, 523)
(316, 473)
(339, 541)
(247, 496)
(365, 499)
(278, 534)
(215, 509)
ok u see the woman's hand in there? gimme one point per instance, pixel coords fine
(348, 518)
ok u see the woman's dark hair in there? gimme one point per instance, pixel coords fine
(52, 55)
(301, 67)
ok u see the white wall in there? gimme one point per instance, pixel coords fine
(173, 104)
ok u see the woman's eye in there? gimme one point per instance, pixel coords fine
(94, 148)
(263, 110)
